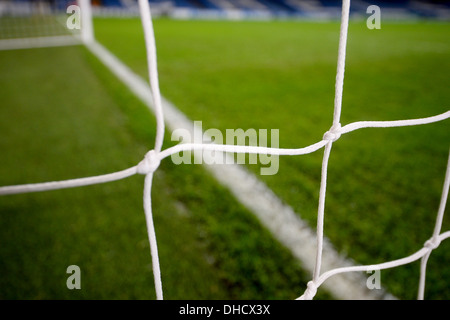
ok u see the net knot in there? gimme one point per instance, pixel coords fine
(432, 243)
(311, 291)
(333, 134)
(149, 164)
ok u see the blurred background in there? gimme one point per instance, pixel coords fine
(438, 9)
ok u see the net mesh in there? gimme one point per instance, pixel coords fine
(27, 24)
(153, 158)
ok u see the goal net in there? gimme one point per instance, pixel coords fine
(43, 23)
(19, 20)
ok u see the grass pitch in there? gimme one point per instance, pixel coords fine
(384, 185)
(80, 121)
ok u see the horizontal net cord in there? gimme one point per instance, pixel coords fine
(72, 183)
(241, 149)
(305, 150)
(46, 186)
(395, 123)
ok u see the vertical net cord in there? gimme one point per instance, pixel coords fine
(437, 230)
(335, 127)
(321, 211)
(152, 236)
(339, 86)
(149, 36)
(144, 8)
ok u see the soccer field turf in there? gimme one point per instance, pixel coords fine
(384, 184)
(65, 116)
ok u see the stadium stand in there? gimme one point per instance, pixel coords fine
(436, 9)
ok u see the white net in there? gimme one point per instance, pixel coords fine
(43, 23)
(153, 158)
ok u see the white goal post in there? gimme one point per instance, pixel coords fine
(151, 162)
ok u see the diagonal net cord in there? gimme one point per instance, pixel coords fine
(152, 159)
(423, 253)
(436, 239)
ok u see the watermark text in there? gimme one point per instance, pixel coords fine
(249, 137)
(374, 21)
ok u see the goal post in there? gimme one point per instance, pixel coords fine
(87, 28)
(44, 23)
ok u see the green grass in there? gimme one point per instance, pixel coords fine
(64, 116)
(384, 184)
